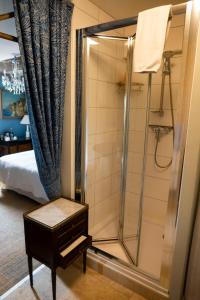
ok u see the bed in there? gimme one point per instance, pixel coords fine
(19, 173)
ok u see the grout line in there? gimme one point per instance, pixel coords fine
(146, 196)
(146, 221)
(155, 177)
(20, 283)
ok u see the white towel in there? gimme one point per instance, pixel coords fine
(150, 39)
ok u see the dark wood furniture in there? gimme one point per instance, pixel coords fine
(15, 146)
(56, 234)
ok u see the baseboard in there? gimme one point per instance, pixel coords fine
(127, 277)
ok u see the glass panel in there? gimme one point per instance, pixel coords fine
(135, 163)
(105, 78)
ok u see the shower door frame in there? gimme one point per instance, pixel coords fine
(80, 172)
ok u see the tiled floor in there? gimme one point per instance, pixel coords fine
(72, 284)
(113, 248)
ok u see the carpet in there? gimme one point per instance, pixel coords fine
(13, 259)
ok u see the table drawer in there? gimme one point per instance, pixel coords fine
(74, 249)
(72, 230)
(70, 225)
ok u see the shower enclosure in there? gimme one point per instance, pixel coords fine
(126, 128)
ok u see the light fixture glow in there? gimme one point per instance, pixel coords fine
(91, 42)
(14, 81)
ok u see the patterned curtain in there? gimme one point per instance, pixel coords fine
(43, 28)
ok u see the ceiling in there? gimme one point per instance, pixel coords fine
(7, 48)
(120, 9)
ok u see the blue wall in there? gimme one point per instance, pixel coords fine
(18, 129)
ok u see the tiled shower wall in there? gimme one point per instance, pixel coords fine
(157, 181)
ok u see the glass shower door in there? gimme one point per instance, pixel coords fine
(105, 75)
(116, 110)
(134, 153)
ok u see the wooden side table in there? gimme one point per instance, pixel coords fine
(56, 234)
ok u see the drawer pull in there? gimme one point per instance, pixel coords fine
(73, 245)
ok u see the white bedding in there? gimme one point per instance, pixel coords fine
(19, 172)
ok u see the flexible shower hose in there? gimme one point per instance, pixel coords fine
(173, 125)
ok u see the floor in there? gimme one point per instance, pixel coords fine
(72, 284)
(13, 260)
(113, 248)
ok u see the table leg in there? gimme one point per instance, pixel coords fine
(84, 260)
(53, 278)
(30, 268)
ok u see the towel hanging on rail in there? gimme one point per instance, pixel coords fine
(150, 39)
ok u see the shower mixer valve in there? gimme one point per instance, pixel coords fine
(160, 130)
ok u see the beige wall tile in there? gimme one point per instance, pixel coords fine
(120, 47)
(134, 162)
(150, 254)
(103, 144)
(106, 68)
(175, 71)
(116, 183)
(175, 39)
(102, 94)
(136, 141)
(133, 183)
(120, 71)
(139, 97)
(117, 141)
(108, 47)
(139, 77)
(90, 177)
(137, 119)
(116, 161)
(154, 211)
(93, 65)
(156, 188)
(155, 96)
(106, 220)
(87, 7)
(154, 171)
(92, 120)
(178, 20)
(104, 17)
(91, 153)
(92, 93)
(107, 120)
(90, 195)
(103, 167)
(103, 190)
(80, 19)
(131, 214)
